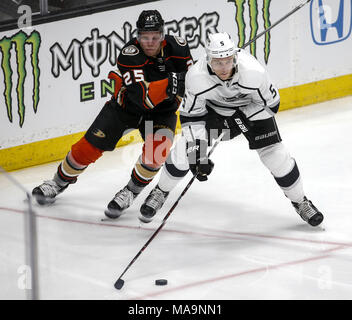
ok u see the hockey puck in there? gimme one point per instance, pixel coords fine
(161, 282)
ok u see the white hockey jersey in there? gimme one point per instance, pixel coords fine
(250, 90)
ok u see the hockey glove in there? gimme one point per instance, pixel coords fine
(199, 163)
(176, 86)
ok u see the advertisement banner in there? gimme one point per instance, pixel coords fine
(53, 77)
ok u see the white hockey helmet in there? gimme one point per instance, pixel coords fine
(220, 45)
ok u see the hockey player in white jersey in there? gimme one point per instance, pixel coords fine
(229, 91)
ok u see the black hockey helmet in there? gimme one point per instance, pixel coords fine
(150, 20)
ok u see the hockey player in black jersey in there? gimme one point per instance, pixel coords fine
(229, 90)
(149, 85)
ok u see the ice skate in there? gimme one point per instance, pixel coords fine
(152, 204)
(122, 200)
(46, 193)
(308, 212)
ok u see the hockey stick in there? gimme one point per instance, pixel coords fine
(120, 282)
(276, 23)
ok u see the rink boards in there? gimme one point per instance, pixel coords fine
(54, 75)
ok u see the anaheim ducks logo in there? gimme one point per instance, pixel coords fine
(130, 51)
(182, 42)
(98, 133)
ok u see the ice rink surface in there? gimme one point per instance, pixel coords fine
(233, 237)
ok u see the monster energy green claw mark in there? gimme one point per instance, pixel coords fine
(266, 18)
(253, 13)
(241, 25)
(19, 41)
(34, 40)
(253, 22)
(5, 46)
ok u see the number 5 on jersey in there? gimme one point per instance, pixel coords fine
(273, 91)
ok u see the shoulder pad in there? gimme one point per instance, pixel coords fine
(180, 41)
(251, 72)
(198, 79)
(131, 50)
(178, 45)
(131, 56)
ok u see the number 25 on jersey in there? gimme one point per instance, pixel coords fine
(135, 74)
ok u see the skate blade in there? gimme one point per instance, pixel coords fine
(112, 215)
(317, 221)
(144, 219)
(44, 201)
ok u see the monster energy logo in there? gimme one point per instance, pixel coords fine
(19, 41)
(253, 21)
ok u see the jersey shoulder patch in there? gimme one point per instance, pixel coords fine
(131, 56)
(177, 46)
(182, 42)
(131, 50)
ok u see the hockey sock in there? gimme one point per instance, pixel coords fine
(284, 169)
(176, 167)
(155, 151)
(68, 170)
(291, 184)
(77, 160)
(170, 176)
(141, 176)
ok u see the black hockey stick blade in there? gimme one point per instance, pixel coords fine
(119, 284)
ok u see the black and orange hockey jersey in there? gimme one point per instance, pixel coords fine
(141, 81)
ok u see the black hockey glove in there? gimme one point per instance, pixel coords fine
(176, 86)
(199, 163)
